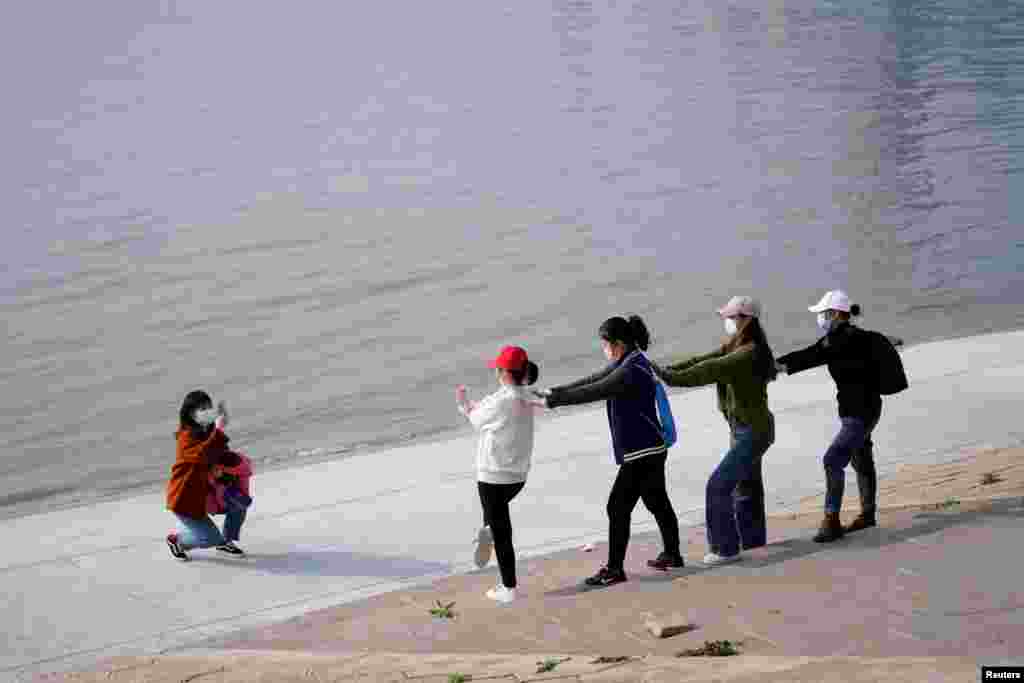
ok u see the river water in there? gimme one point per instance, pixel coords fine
(329, 215)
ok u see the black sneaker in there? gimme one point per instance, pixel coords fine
(606, 577)
(231, 549)
(176, 550)
(665, 562)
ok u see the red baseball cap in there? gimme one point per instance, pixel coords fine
(510, 358)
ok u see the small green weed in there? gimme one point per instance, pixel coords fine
(443, 611)
(459, 678)
(549, 664)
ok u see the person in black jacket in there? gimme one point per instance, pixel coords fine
(628, 386)
(847, 350)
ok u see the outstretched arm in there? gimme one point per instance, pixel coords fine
(710, 370)
(663, 371)
(614, 383)
(804, 359)
(589, 379)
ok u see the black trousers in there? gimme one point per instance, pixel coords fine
(494, 499)
(640, 479)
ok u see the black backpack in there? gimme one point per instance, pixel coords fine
(890, 377)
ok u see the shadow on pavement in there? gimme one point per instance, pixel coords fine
(330, 563)
(923, 524)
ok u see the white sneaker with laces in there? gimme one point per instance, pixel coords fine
(484, 544)
(714, 559)
(502, 594)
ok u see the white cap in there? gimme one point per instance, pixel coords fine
(835, 300)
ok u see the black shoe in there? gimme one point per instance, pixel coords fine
(176, 550)
(665, 562)
(231, 549)
(606, 577)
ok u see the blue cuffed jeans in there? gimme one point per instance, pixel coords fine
(201, 532)
(852, 445)
(734, 506)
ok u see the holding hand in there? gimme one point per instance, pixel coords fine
(460, 393)
(539, 397)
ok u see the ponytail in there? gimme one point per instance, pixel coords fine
(641, 336)
(632, 332)
(855, 310)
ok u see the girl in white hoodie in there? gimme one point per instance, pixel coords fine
(505, 423)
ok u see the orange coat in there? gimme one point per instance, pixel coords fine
(189, 485)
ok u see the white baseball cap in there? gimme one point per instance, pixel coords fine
(834, 300)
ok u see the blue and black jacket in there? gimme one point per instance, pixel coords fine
(628, 387)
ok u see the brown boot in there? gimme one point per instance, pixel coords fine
(831, 529)
(864, 520)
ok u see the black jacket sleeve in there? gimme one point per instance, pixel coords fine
(614, 383)
(805, 359)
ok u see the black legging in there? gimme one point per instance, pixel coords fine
(640, 479)
(494, 499)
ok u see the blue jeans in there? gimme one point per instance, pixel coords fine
(203, 533)
(851, 445)
(734, 508)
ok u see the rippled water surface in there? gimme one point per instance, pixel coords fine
(328, 215)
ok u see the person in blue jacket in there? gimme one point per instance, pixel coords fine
(627, 385)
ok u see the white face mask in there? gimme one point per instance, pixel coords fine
(730, 326)
(824, 322)
(205, 417)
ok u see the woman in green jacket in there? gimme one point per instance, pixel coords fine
(742, 368)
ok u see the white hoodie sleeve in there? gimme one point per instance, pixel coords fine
(488, 412)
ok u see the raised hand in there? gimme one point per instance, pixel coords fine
(222, 411)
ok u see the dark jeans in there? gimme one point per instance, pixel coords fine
(237, 504)
(494, 499)
(734, 500)
(852, 446)
(640, 479)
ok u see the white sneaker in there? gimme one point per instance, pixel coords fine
(484, 544)
(501, 594)
(714, 559)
